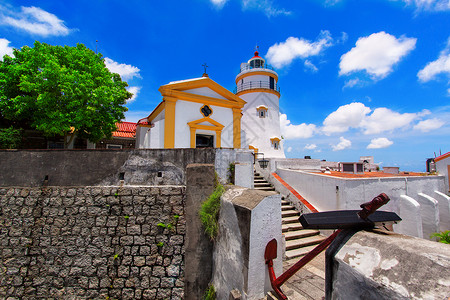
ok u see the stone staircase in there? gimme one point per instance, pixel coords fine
(261, 183)
(299, 241)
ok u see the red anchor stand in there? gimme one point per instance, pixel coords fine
(367, 218)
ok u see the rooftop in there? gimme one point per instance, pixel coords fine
(372, 174)
(125, 130)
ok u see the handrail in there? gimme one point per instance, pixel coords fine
(248, 67)
(251, 85)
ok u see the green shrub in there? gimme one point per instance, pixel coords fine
(10, 138)
(443, 237)
(231, 169)
(209, 212)
(210, 293)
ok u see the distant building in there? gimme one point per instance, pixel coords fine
(443, 167)
(123, 138)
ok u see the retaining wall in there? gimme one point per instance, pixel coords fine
(92, 242)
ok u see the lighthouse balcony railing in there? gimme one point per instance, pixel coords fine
(253, 85)
(249, 67)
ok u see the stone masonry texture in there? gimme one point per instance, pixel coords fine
(92, 242)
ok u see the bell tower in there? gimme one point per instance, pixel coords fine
(257, 84)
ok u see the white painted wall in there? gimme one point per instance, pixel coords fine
(430, 214)
(186, 111)
(442, 169)
(444, 210)
(259, 131)
(204, 91)
(411, 224)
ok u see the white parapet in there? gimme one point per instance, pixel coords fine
(411, 223)
(243, 175)
(444, 210)
(430, 214)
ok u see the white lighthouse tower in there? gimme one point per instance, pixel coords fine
(257, 84)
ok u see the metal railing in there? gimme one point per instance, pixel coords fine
(265, 66)
(256, 85)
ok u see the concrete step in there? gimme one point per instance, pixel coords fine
(304, 242)
(262, 184)
(287, 220)
(299, 252)
(264, 188)
(290, 294)
(298, 234)
(291, 227)
(286, 207)
(289, 213)
(284, 202)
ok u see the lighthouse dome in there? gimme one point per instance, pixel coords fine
(256, 61)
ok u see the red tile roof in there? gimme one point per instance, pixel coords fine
(442, 156)
(371, 174)
(125, 130)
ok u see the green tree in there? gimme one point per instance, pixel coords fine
(9, 138)
(61, 91)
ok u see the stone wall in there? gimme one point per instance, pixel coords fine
(92, 242)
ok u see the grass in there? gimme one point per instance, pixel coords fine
(209, 212)
(210, 293)
(443, 237)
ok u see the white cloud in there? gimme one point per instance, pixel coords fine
(311, 66)
(357, 115)
(439, 66)
(266, 6)
(310, 146)
(428, 125)
(290, 131)
(218, 3)
(34, 20)
(5, 49)
(383, 119)
(343, 144)
(353, 82)
(289, 149)
(376, 54)
(433, 5)
(125, 71)
(379, 143)
(282, 54)
(346, 116)
(135, 91)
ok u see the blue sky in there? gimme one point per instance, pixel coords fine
(357, 77)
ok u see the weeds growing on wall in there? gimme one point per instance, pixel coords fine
(443, 237)
(209, 212)
(210, 293)
(231, 169)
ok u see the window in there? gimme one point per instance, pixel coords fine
(272, 83)
(275, 143)
(204, 141)
(113, 146)
(262, 111)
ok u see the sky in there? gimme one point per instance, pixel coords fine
(357, 77)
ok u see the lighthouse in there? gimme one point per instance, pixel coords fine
(257, 84)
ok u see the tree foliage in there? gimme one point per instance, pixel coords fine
(10, 138)
(61, 90)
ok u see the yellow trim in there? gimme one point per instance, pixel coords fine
(253, 148)
(169, 123)
(259, 90)
(275, 139)
(216, 126)
(261, 107)
(168, 90)
(149, 125)
(237, 115)
(275, 76)
(156, 111)
(212, 111)
(203, 99)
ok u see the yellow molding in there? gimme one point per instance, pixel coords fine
(275, 139)
(261, 107)
(237, 115)
(216, 126)
(257, 73)
(253, 148)
(149, 125)
(199, 83)
(169, 125)
(259, 90)
(206, 100)
(156, 111)
(212, 111)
